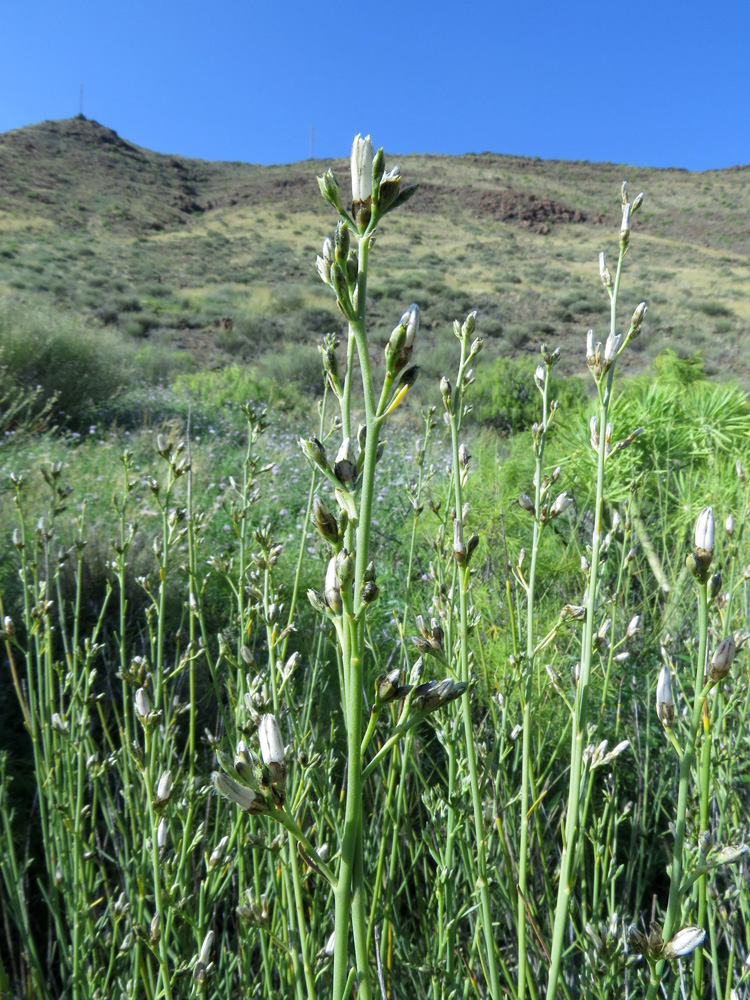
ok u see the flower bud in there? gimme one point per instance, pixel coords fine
(164, 788)
(664, 699)
(685, 942)
(245, 798)
(142, 706)
(324, 520)
(332, 587)
(361, 167)
(218, 853)
(604, 272)
(721, 661)
(329, 188)
(527, 503)
(446, 392)
(639, 315)
(272, 749)
(705, 529)
(625, 225)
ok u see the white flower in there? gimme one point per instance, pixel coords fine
(362, 155)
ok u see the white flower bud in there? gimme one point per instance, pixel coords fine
(244, 797)
(705, 531)
(625, 226)
(361, 166)
(164, 788)
(205, 954)
(410, 320)
(664, 699)
(161, 833)
(142, 706)
(685, 942)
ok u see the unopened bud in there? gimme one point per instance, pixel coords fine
(721, 661)
(705, 530)
(664, 699)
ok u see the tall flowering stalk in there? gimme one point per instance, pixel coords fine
(601, 363)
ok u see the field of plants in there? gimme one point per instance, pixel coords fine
(357, 663)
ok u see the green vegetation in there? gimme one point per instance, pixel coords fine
(485, 785)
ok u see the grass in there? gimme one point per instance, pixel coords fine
(155, 566)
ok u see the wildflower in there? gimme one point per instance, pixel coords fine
(361, 165)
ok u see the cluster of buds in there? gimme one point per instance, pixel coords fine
(628, 209)
(388, 688)
(432, 695)
(398, 350)
(463, 551)
(255, 912)
(375, 191)
(652, 947)
(605, 941)
(255, 783)
(430, 640)
(699, 560)
(175, 455)
(330, 361)
(204, 967)
(338, 267)
(598, 360)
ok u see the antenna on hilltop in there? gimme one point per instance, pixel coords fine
(80, 100)
(312, 141)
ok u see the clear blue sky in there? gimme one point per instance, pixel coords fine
(655, 84)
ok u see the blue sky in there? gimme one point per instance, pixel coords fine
(654, 84)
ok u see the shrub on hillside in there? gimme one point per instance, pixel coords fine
(80, 367)
(506, 398)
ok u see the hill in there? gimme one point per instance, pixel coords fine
(218, 259)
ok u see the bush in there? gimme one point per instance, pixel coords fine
(80, 367)
(507, 399)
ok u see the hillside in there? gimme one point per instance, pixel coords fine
(218, 259)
